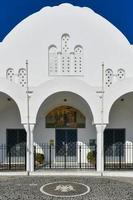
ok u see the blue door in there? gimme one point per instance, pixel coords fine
(66, 140)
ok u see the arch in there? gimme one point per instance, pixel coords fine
(52, 49)
(121, 74)
(45, 90)
(22, 77)
(115, 92)
(108, 77)
(10, 74)
(17, 93)
(65, 35)
(65, 43)
(78, 49)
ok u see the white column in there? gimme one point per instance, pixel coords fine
(100, 147)
(27, 148)
(31, 148)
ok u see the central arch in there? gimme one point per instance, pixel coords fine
(45, 90)
(64, 123)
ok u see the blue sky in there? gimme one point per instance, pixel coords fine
(118, 12)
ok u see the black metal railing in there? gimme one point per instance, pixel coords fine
(12, 157)
(66, 156)
(118, 156)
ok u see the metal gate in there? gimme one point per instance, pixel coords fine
(118, 157)
(13, 158)
(67, 156)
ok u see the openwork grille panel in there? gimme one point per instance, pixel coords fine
(65, 62)
(22, 77)
(10, 74)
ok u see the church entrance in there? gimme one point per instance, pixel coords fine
(64, 135)
(66, 140)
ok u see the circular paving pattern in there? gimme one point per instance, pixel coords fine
(65, 189)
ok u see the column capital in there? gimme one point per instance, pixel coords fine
(100, 127)
(30, 125)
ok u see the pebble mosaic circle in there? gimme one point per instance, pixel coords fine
(65, 189)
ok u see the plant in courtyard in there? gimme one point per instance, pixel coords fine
(91, 156)
(39, 158)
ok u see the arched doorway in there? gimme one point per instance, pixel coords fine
(12, 136)
(66, 120)
(64, 134)
(118, 137)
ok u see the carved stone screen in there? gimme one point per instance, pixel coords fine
(65, 117)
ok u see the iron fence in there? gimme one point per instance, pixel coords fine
(13, 157)
(118, 156)
(66, 156)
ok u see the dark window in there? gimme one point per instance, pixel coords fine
(113, 140)
(16, 140)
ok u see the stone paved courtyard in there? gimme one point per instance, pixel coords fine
(28, 188)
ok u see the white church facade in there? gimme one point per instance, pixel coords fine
(66, 93)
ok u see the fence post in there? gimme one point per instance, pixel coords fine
(120, 147)
(35, 157)
(3, 153)
(65, 146)
(104, 157)
(9, 158)
(25, 155)
(96, 156)
(80, 156)
(50, 156)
